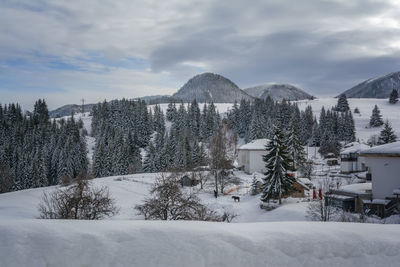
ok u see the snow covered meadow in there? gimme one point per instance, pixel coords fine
(257, 238)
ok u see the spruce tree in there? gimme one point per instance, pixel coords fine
(342, 105)
(277, 182)
(254, 185)
(387, 134)
(376, 117)
(295, 148)
(394, 97)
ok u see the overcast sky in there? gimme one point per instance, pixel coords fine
(112, 49)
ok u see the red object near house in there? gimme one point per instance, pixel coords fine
(320, 193)
(314, 194)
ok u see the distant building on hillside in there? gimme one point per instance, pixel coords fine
(250, 156)
(350, 161)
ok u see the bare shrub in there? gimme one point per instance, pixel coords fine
(228, 216)
(319, 211)
(79, 201)
(168, 202)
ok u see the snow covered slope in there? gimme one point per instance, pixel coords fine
(278, 92)
(130, 190)
(379, 87)
(145, 243)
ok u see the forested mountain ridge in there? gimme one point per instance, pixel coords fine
(278, 92)
(209, 87)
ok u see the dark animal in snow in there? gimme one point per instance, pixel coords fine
(236, 198)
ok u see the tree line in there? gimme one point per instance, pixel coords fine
(35, 151)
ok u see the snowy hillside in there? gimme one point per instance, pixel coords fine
(130, 190)
(379, 87)
(365, 105)
(278, 92)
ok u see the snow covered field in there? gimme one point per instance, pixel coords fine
(130, 190)
(257, 238)
(156, 243)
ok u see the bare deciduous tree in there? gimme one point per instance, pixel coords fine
(168, 202)
(78, 201)
(319, 210)
(222, 150)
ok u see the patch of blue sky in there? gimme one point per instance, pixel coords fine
(136, 63)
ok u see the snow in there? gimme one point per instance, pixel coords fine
(391, 148)
(156, 243)
(354, 147)
(377, 201)
(281, 237)
(258, 144)
(357, 188)
(396, 192)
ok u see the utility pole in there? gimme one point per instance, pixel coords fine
(83, 105)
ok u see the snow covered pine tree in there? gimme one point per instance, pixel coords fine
(342, 104)
(277, 182)
(394, 97)
(387, 134)
(376, 117)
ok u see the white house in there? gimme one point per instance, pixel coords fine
(250, 156)
(350, 160)
(384, 165)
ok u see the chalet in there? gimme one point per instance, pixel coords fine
(299, 189)
(380, 197)
(384, 165)
(350, 161)
(350, 197)
(250, 156)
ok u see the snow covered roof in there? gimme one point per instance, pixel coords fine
(341, 197)
(354, 147)
(387, 150)
(396, 192)
(377, 201)
(304, 180)
(356, 188)
(258, 144)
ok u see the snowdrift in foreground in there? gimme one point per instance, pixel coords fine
(151, 243)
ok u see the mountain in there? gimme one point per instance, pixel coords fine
(375, 88)
(278, 92)
(66, 110)
(209, 87)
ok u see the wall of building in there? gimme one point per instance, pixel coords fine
(256, 161)
(385, 173)
(352, 166)
(244, 160)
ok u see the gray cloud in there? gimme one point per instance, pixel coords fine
(323, 46)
